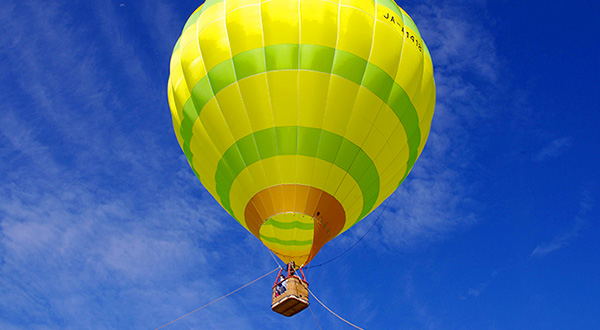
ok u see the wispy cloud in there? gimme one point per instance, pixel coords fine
(563, 239)
(460, 40)
(480, 288)
(554, 149)
(102, 223)
(65, 246)
(22, 140)
(422, 312)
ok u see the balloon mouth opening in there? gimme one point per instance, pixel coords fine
(294, 221)
(289, 235)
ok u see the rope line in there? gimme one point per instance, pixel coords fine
(314, 317)
(274, 258)
(355, 243)
(214, 301)
(332, 312)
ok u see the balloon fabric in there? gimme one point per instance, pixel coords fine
(300, 117)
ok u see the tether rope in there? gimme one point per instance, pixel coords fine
(314, 317)
(355, 243)
(274, 258)
(332, 312)
(214, 301)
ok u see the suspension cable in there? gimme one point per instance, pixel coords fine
(214, 301)
(274, 258)
(355, 243)
(332, 312)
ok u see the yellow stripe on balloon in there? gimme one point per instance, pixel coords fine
(356, 32)
(215, 124)
(386, 41)
(210, 14)
(214, 43)
(280, 22)
(314, 90)
(283, 91)
(410, 71)
(305, 168)
(188, 36)
(175, 105)
(236, 118)
(244, 28)
(289, 227)
(178, 87)
(368, 6)
(319, 21)
(425, 102)
(204, 153)
(255, 93)
(191, 65)
(231, 5)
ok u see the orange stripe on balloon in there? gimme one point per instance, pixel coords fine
(327, 212)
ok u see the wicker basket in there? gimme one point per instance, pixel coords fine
(293, 300)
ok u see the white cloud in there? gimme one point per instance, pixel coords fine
(563, 239)
(479, 289)
(458, 40)
(422, 312)
(102, 223)
(62, 251)
(554, 149)
(22, 139)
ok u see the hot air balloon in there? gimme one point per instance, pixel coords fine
(300, 117)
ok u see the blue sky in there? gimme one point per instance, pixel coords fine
(104, 226)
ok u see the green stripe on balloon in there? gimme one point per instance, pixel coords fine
(201, 94)
(221, 76)
(177, 44)
(194, 18)
(286, 242)
(313, 58)
(303, 141)
(316, 58)
(282, 57)
(249, 63)
(349, 66)
(390, 4)
(290, 225)
(207, 4)
(408, 22)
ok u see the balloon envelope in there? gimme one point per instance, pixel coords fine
(301, 117)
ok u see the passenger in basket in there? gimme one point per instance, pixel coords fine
(281, 286)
